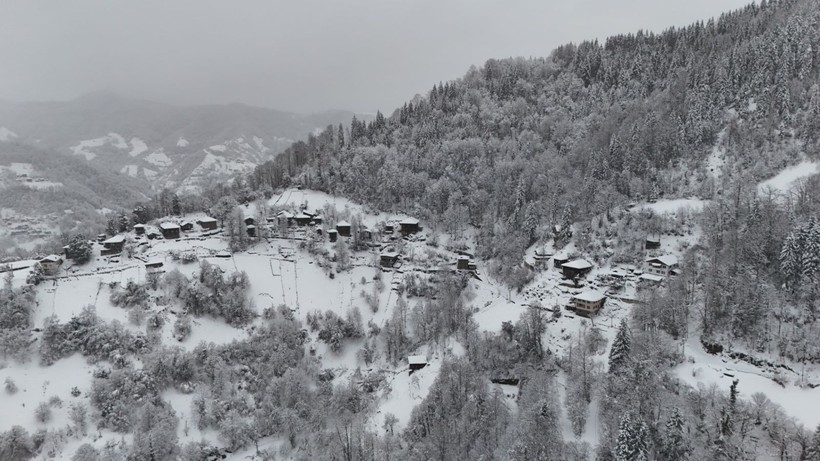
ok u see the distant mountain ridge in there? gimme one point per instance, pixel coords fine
(158, 144)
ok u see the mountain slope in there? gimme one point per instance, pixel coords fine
(160, 144)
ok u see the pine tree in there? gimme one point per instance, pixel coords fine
(674, 441)
(813, 450)
(619, 355)
(789, 261)
(79, 249)
(632, 439)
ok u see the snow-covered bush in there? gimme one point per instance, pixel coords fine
(11, 386)
(43, 413)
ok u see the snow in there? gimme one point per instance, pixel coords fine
(259, 142)
(138, 146)
(405, 391)
(158, 158)
(182, 142)
(785, 181)
(590, 296)
(6, 134)
(218, 148)
(112, 139)
(130, 170)
(717, 158)
(149, 173)
(579, 264)
(674, 205)
(706, 369)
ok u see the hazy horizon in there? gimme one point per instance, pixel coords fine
(303, 57)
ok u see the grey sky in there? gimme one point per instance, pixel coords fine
(299, 55)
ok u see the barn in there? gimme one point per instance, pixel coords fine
(113, 245)
(409, 226)
(169, 230)
(576, 268)
(207, 223)
(343, 227)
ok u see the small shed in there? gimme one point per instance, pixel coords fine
(169, 230)
(589, 303)
(333, 235)
(187, 226)
(51, 264)
(389, 228)
(139, 229)
(463, 263)
(652, 243)
(389, 259)
(251, 229)
(576, 268)
(343, 227)
(154, 267)
(409, 226)
(416, 362)
(113, 245)
(559, 260)
(207, 223)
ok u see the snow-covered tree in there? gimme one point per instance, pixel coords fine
(619, 355)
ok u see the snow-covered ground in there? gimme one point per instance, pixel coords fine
(138, 146)
(673, 205)
(85, 148)
(784, 181)
(6, 134)
(159, 158)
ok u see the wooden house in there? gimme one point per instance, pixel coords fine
(409, 226)
(576, 268)
(207, 223)
(186, 226)
(302, 219)
(139, 229)
(113, 245)
(251, 230)
(365, 233)
(154, 267)
(416, 362)
(389, 259)
(463, 263)
(652, 243)
(51, 264)
(169, 230)
(559, 260)
(343, 227)
(317, 220)
(663, 266)
(588, 303)
(333, 235)
(541, 258)
(389, 228)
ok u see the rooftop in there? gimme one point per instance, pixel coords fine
(115, 239)
(343, 224)
(51, 259)
(578, 264)
(409, 221)
(207, 219)
(590, 296)
(651, 277)
(417, 359)
(169, 226)
(666, 260)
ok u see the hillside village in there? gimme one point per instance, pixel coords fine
(315, 253)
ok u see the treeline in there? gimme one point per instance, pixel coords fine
(519, 146)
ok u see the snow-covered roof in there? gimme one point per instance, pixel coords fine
(169, 226)
(284, 214)
(666, 260)
(51, 259)
(417, 360)
(154, 263)
(651, 277)
(334, 231)
(304, 216)
(251, 226)
(561, 256)
(115, 239)
(206, 219)
(409, 222)
(343, 224)
(389, 254)
(590, 296)
(139, 225)
(462, 258)
(579, 264)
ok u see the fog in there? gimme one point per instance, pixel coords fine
(299, 55)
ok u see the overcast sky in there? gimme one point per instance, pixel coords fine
(298, 55)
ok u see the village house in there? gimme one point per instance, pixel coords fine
(251, 229)
(663, 266)
(652, 243)
(588, 303)
(302, 219)
(559, 260)
(285, 218)
(169, 230)
(577, 268)
(343, 227)
(113, 245)
(207, 223)
(541, 258)
(649, 280)
(249, 221)
(51, 264)
(389, 259)
(139, 229)
(333, 235)
(409, 226)
(153, 267)
(416, 362)
(101, 238)
(187, 226)
(463, 263)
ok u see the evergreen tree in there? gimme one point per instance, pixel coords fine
(632, 439)
(813, 450)
(619, 355)
(79, 249)
(674, 442)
